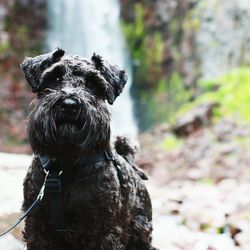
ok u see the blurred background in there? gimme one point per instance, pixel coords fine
(187, 102)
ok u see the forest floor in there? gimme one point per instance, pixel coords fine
(199, 187)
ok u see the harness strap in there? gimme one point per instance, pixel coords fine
(53, 189)
(52, 186)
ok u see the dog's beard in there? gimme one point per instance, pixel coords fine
(68, 135)
(48, 133)
(56, 135)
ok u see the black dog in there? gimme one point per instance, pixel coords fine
(105, 204)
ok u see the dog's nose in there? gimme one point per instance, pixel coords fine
(69, 105)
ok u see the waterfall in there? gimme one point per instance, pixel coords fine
(83, 27)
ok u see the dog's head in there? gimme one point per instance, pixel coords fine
(71, 111)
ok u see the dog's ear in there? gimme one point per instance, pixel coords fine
(34, 67)
(57, 55)
(97, 82)
(115, 78)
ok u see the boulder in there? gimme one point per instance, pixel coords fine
(194, 119)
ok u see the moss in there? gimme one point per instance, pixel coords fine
(243, 141)
(235, 94)
(158, 86)
(22, 33)
(231, 92)
(146, 50)
(4, 47)
(207, 181)
(169, 94)
(171, 143)
(180, 95)
(192, 21)
(204, 226)
(11, 140)
(161, 86)
(135, 33)
(159, 47)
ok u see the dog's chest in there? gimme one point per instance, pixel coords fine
(92, 193)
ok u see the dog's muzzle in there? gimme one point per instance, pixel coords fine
(69, 106)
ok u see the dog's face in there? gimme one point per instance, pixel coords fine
(70, 112)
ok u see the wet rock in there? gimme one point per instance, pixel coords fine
(195, 119)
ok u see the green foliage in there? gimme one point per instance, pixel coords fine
(159, 93)
(146, 50)
(231, 92)
(162, 103)
(235, 94)
(179, 94)
(12, 140)
(22, 32)
(4, 47)
(171, 143)
(135, 34)
(170, 95)
(207, 181)
(192, 21)
(243, 141)
(159, 47)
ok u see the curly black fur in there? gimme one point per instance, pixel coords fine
(103, 209)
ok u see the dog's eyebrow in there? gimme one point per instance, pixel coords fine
(57, 70)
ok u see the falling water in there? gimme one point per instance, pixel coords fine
(83, 27)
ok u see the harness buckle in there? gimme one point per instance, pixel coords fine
(53, 185)
(109, 155)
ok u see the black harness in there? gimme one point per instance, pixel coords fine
(52, 187)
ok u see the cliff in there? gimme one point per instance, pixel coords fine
(21, 30)
(174, 44)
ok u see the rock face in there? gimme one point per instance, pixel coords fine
(21, 31)
(160, 47)
(223, 38)
(174, 43)
(200, 39)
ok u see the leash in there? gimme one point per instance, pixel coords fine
(52, 186)
(32, 206)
